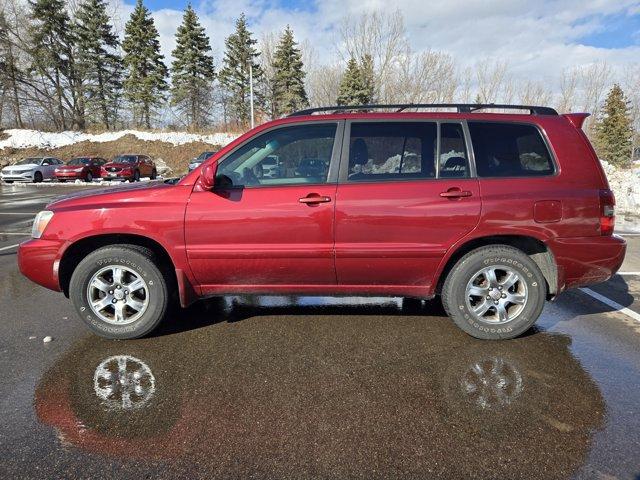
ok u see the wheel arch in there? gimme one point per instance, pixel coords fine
(536, 249)
(79, 249)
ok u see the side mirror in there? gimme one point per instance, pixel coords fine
(208, 177)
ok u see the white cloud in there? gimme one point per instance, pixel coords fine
(537, 39)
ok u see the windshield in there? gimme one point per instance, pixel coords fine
(30, 161)
(124, 159)
(79, 161)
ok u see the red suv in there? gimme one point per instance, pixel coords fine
(494, 212)
(129, 167)
(83, 168)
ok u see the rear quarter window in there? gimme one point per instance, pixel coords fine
(510, 150)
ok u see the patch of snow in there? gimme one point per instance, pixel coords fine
(625, 184)
(22, 138)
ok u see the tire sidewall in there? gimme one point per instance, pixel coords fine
(521, 264)
(141, 266)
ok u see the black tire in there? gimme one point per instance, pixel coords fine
(8, 181)
(137, 259)
(454, 292)
(154, 174)
(60, 180)
(88, 178)
(37, 177)
(136, 177)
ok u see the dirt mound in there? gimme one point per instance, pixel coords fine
(175, 156)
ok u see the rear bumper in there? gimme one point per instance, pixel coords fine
(38, 261)
(587, 260)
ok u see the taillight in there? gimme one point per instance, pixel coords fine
(607, 212)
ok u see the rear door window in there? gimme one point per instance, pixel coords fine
(509, 150)
(453, 152)
(380, 151)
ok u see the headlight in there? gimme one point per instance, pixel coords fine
(40, 223)
(78, 170)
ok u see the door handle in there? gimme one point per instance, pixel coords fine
(313, 198)
(455, 193)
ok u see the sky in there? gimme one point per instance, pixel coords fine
(538, 39)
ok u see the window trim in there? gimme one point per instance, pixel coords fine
(332, 175)
(346, 141)
(545, 141)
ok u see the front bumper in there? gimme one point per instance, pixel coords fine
(17, 177)
(584, 261)
(70, 175)
(38, 261)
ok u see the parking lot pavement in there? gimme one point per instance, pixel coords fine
(303, 387)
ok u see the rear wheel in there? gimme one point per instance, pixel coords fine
(154, 174)
(136, 176)
(8, 181)
(120, 292)
(37, 177)
(494, 292)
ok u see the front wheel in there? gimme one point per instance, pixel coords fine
(88, 178)
(37, 177)
(136, 177)
(120, 292)
(494, 292)
(154, 174)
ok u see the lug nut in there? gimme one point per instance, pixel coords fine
(118, 287)
(499, 288)
(126, 292)
(490, 288)
(496, 302)
(488, 297)
(110, 292)
(503, 295)
(114, 301)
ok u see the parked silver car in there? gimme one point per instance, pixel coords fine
(196, 162)
(32, 169)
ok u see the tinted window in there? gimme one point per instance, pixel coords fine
(288, 155)
(399, 150)
(453, 152)
(509, 150)
(79, 161)
(125, 159)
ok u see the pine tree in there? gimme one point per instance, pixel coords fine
(234, 76)
(356, 86)
(9, 72)
(192, 70)
(99, 63)
(614, 131)
(289, 91)
(51, 49)
(145, 83)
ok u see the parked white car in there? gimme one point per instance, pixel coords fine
(32, 169)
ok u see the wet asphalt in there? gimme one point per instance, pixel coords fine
(310, 387)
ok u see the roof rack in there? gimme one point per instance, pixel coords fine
(399, 107)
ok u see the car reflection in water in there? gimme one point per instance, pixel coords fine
(328, 391)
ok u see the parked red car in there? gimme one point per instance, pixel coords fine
(83, 168)
(129, 167)
(495, 212)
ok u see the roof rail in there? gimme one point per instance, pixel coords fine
(399, 107)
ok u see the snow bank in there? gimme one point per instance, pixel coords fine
(625, 184)
(45, 140)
